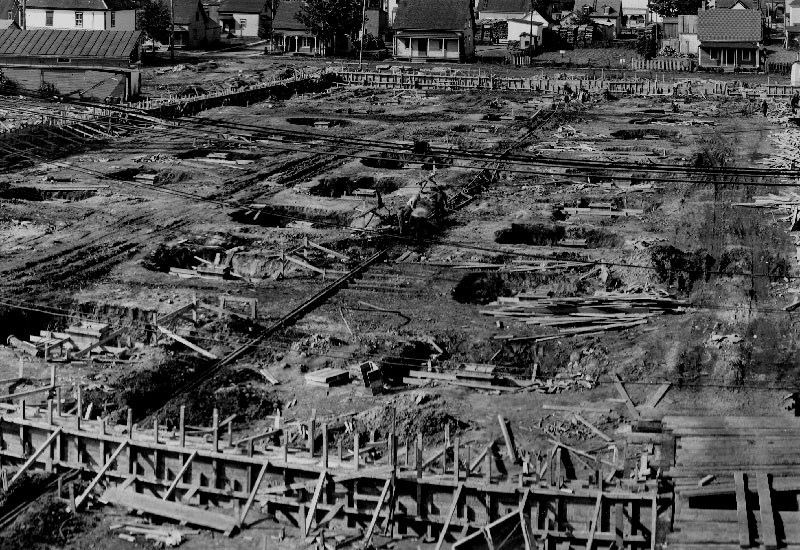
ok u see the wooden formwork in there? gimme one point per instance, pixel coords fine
(447, 495)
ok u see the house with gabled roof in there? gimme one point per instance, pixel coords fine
(503, 9)
(193, 27)
(606, 14)
(240, 17)
(730, 38)
(289, 35)
(441, 30)
(99, 15)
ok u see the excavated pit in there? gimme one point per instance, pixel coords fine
(339, 186)
(288, 216)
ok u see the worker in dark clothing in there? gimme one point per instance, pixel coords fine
(794, 102)
(439, 200)
(403, 217)
(764, 107)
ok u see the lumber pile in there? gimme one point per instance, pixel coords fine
(786, 145)
(327, 377)
(787, 200)
(162, 537)
(578, 315)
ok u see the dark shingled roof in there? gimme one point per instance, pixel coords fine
(72, 43)
(728, 4)
(433, 15)
(598, 5)
(242, 6)
(285, 19)
(723, 25)
(504, 6)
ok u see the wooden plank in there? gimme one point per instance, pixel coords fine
(624, 395)
(171, 510)
(104, 340)
(768, 537)
(96, 479)
(35, 455)
(330, 515)
(449, 517)
(187, 343)
(315, 500)
(376, 514)
(594, 429)
(180, 475)
(510, 448)
(167, 317)
(252, 497)
(478, 459)
(595, 521)
(741, 510)
(657, 395)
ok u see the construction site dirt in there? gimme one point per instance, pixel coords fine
(327, 314)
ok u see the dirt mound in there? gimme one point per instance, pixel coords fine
(482, 288)
(413, 413)
(46, 524)
(596, 238)
(533, 234)
(672, 265)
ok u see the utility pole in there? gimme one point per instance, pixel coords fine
(530, 38)
(363, 30)
(23, 15)
(172, 30)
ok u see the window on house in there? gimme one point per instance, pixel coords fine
(714, 53)
(63, 60)
(587, 9)
(747, 55)
(48, 18)
(606, 10)
(113, 19)
(79, 19)
(242, 23)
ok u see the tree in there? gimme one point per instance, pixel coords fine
(266, 17)
(329, 19)
(155, 20)
(671, 8)
(646, 45)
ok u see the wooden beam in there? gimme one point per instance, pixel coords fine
(657, 395)
(330, 515)
(171, 510)
(479, 459)
(252, 497)
(595, 521)
(376, 514)
(510, 448)
(35, 455)
(768, 538)
(312, 244)
(167, 317)
(179, 475)
(449, 517)
(624, 394)
(96, 479)
(187, 343)
(104, 340)
(594, 428)
(741, 510)
(303, 263)
(25, 393)
(315, 500)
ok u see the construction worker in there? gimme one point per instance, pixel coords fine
(764, 107)
(439, 200)
(793, 103)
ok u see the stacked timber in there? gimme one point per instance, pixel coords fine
(327, 377)
(575, 315)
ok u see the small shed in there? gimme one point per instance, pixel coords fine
(730, 38)
(87, 64)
